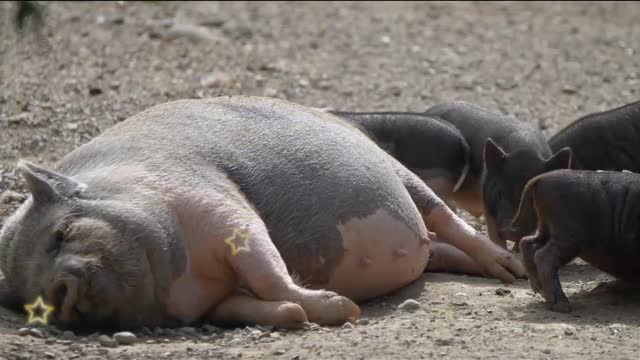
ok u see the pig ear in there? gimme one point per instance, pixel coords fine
(563, 159)
(494, 156)
(47, 186)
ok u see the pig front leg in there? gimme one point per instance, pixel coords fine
(548, 261)
(456, 232)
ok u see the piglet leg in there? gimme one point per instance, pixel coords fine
(548, 260)
(529, 246)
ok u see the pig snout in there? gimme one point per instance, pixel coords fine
(64, 294)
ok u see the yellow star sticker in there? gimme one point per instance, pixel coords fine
(45, 309)
(238, 236)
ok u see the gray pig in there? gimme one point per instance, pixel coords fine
(207, 210)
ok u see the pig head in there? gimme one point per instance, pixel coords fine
(504, 178)
(82, 253)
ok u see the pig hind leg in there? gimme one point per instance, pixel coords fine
(239, 309)
(529, 246)
(447, 258)
(548, 261)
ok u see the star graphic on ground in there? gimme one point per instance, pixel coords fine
(41, 307)
(239, 240)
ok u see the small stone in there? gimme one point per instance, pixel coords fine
(23, 356)
(107, 341)
(363, 321)
(72, 126)
(347, 326)
(217, 79)
(444, 342)
(36, 333)
(569, 90)
(385, 39)
(49, 355)
(93, 91)
(568, 332)
(125, 338)
(191, 32)
(68, 335)
(23, 117)
(409, 305)
(324, 85)
(303, 82)
(546, 351)
(270, 92)
(9, 196)
(23, 331)
(279, 352)
(502, 292)
(212, 22)
(188, 331)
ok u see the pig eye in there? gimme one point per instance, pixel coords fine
(58, 237)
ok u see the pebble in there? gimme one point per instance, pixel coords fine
(363, 321)
(35, 333)
(569, 90)
(546, 351)
(188, 331)
(444, 342)
(68, 335)
(94, 90)
(279, 352)
(23, 356)
(125, 338)
(347, 326)
(217, 79)
(107, 341)
(9, 196)
(192, 32)
(409, 305)
(502, 291)
(23, 332)
(50, 355)
(270, 92)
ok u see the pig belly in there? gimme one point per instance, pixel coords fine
(381, 255)
(622, 267)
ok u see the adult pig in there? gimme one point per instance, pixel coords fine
(588, 214)
(607, 140)
(204, 209)
(505, 154)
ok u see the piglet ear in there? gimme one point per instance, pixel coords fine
(563, 159)
(494, 156)
(48, 186)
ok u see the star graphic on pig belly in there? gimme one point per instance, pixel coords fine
(238, 241)
(40, 307)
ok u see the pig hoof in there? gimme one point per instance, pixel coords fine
(290, 316)
(561, 307)
(328, 308)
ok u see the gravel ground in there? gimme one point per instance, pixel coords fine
(547, 63)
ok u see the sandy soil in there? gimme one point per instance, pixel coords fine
(548, 63)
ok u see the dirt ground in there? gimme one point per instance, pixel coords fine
(548, 63)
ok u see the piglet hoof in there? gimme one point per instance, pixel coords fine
(328, 308)
(561, 307)
(535, 285)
